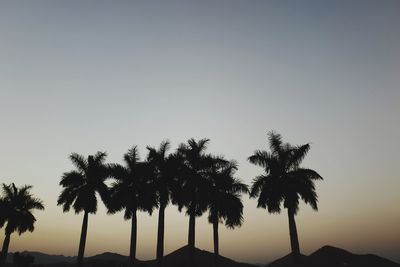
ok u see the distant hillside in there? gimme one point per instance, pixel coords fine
(43, 258)
(328, 256)
(179, 258)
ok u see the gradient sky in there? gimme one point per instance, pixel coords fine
(83, 76)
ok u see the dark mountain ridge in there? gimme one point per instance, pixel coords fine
(43, 258)
(329, 256)
(326, 256)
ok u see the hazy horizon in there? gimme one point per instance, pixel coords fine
(100, 76)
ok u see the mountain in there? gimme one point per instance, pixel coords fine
(326, 256)
(108, 256)
(329, 256)
(43, 258)
(179, 258)
(332, 257)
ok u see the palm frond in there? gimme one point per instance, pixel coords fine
(260, 158)
(239, 187)
(164, 147)
(79, 161)
(257, 185)
(132, 156)
(34, 203)
(298, 154)
(306, 174)
(7, 191)
(99, 157)
(118, 171)
(275, 142)
(67, 198)
(72, 179)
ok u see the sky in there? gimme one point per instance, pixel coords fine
(87, 76)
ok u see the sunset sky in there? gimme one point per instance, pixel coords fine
(87, 76)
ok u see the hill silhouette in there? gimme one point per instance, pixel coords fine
(203, 258)
(329, 256)
(326, 256)
(177, 258)
(43, 258)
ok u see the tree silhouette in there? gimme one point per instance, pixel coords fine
(225, 204)
(195, 185)
(17, 206)
(132, 190)
(80, 188)
(284, 181)
(164, 170)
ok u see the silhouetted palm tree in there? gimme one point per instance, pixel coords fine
(133, 190)
(80, 188)
(164, 170)
(284, 181)
(195, 185)
(225, 204)
(17, 205)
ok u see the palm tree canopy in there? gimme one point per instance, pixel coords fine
(164, 171)
(284, 180)
(82, 184)
(193, 175)
(133, 188)
(225, 195)
(18, 205)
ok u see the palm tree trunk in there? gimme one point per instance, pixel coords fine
(191, 238)
(4, 251)
(82, 241)
(216, 244)
(294, 240)
(160, 235)
(192, 226)
(132, 254)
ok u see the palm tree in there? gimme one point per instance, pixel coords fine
(164, 170)
(80, 187)
(17, 206)
(284, 181)
(195, 185)
(132, 191)
(225, 204)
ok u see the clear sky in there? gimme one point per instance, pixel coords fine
(83, 76)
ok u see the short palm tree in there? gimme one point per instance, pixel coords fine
(80, 187)
(225, 204)
(284, 181)
(16, 207)
(132, 191)
(195, 185)
(164, 170)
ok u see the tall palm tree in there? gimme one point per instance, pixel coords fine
(80, 187)
(164, 170)
(17, 206)
(195, 185)
(284, 181)
(225, 204)
(132, 191)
